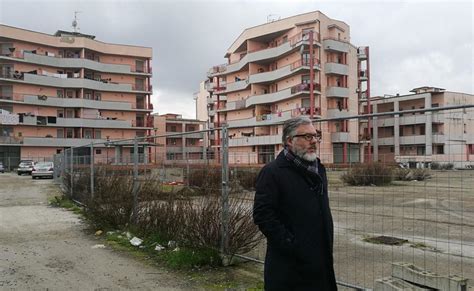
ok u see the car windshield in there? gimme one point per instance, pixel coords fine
(25, 164)
(44, 165)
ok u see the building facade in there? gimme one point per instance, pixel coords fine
(69, 89)
(423, 137)
(180, 146)
(301, 65)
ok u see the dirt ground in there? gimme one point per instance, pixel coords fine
(45, 248)
(435, 216)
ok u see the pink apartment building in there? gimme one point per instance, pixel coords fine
(300, 65)
(68, 89)
(178, 145)
(421, 138)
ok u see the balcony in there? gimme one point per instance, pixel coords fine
(334, 91)
(10, 140)
(211, 112)
(386, 141)
(281, 95)
(337, 137)
(280, 50)
(336, 69)
(412, 119)
(75, 83)
(412, 139)
(239, 104)
(59, 142)
(75, 103)
(76, 122)
(438, 138)
(59, 62)
(180, 149)
(335, 113)
(231, 87)
(361, 53)
(261, 120)
(255, 140)
(385, 121)
(336, 45)
(363, 76)
(283, 72)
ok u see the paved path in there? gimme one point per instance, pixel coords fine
(42, 247)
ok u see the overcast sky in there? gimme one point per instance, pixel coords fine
(412, 43)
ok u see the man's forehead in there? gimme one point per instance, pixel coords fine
(305, 128)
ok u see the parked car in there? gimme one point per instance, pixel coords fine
(43, 169)
(25, 167)
(2, 169)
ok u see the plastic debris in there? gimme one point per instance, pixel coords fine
(135, 241)
(99, 232)
(98, 246)
(128, 235)
(176, 249)
(159, 247)
(172, 244)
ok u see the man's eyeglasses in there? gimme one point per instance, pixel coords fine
(308, 136)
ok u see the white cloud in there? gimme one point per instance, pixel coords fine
(173, 101)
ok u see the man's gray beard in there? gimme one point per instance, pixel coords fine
(310, 157)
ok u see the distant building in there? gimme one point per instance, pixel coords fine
(422, 138)
(69, 89)
(202, 99)
(181, 146)
(300, 65)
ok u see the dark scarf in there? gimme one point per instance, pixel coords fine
(311, 167)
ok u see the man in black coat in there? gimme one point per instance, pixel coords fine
(291, 208)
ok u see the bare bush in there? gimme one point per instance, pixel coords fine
(411, 174)
(197, 222)
(368, 174)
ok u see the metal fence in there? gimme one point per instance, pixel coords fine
(423, 218)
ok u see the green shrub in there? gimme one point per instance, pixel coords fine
(185, 258)
(368, 174)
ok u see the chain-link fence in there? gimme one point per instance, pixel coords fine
(401, 199)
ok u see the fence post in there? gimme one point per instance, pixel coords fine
(225, 195)
(92, 170)
(72, 173)
(135, 180)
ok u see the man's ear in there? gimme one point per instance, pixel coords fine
(289, 141)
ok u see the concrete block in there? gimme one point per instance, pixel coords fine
(410, 273)
(395, 284)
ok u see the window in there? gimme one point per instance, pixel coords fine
(191, 142)
(88, 133)
(422, 129)
(305, 79)
(173, 128)
(60, 133)
(58, 151)
(98, 134)
(69, 94)
(139, 65)
(87, 95)
(60, 93)
(69, 133)
(60, 113)
(98, 96)
(98, 151)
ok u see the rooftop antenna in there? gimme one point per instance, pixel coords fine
(272, 17)
(74, 22)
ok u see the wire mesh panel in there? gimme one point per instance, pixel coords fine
(400, 190)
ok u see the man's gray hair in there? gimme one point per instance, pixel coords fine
(290, 126)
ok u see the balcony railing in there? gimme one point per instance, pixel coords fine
(290, 42)
(73, 61)
(304, 87)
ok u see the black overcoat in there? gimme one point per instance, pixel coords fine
(291, 208)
